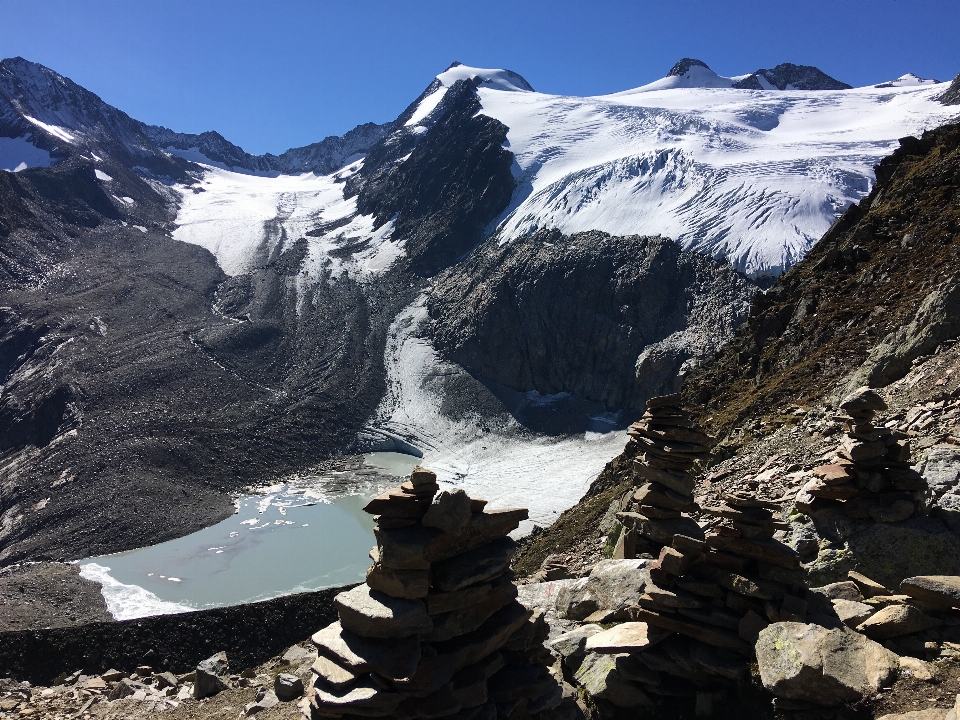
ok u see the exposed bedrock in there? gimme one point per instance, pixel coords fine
(442, 187)
(609, 319)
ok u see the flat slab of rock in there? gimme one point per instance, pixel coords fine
(365, 695)
(473, 647)
(852, 613)
(928, 714)
(826, 667)
(940, 590)
(374, 614)
(895, 621)
(394, 659)
(628, 637)
(332, 673)
(410, 584)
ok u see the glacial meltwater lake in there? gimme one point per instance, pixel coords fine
(301, 536)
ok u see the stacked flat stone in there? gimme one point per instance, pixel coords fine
(436, 630)
(669, 444)
(870, 473)
(701, 608)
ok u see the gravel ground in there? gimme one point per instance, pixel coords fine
(47, 595)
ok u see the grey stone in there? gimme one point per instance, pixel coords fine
(895, 621)
(374, 614)
(628, 637)
(124, 688)
(571, 602)
(941, 469)
(918, 546)
(947, 510)
(211, 676)
(571, 645)
(542, 595)
(449, 512)
(852, 613)
(936, 320)
(897, 512)
(940, 590)
(862, 399)
(288, 687)
(394, 659)
(268, 701)
(825, 667)
(332, 672)
(409, 584)
(612, 585)
(364, 695)
(598, 675)
(296, 655)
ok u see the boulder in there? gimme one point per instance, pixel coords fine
(862, 399)
(823, 666)
(941, 469)
(895, 621)
(374, 614)
(287, 687)
(940, 590)
(918, 546)
(927, 672)
(211, 676)
(612, 585)
(599, 677)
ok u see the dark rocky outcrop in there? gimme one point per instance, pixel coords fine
(684, 65)
(797, 77)
(952, 94)
(609, 319)
(442, 187)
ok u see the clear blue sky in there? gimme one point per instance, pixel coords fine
(275, 74)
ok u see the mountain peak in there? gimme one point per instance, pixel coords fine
(491, 78)
(683, 67)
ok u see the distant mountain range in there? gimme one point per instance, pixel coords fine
(496, 268)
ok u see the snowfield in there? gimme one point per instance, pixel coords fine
(752, 176)
(243, 219)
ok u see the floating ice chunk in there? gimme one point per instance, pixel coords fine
(101, 175)
(251, 521)
(126, 602)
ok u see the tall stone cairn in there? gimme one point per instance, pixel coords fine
(670, 442)
(710, 592)
(870, 474)
(436, 630)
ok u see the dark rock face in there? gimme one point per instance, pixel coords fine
(684, 65)
(31, 90)
(609, 319)
(801, 77)
(952, 94)
(443, 186)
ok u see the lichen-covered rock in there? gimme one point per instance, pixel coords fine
(798, 661)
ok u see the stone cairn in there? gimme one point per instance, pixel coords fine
(710, 593)
(870, 473)
(436, 630)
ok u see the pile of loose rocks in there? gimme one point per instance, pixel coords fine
(706, 595)
(670, 443)
(436, 630)
(870, 473)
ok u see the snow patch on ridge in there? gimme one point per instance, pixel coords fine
(489, 78)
